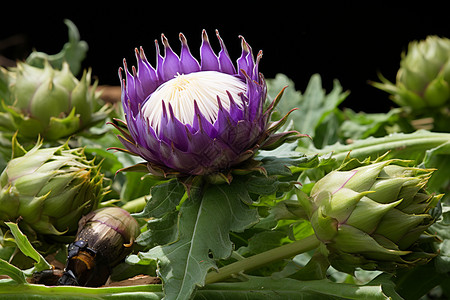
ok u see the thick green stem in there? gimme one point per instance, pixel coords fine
(261, 259)
(136, 205)
(399, 145)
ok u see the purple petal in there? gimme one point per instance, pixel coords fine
(188, 64)
(209, 60)
(176, 132)
(254, 94)
(225, 63)
(242, 62)
(171, 63)
(256, 68)
(235, 111)
(223, 121)
(203, 124)
(146, 73)
(159, 63)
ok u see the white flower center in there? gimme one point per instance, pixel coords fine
(204, 87)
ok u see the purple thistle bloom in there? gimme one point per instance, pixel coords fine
(186, 117)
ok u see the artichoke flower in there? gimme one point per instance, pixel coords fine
(186, 117)
(48, 190)
(47, 102)
(373, 215)
(424, 76)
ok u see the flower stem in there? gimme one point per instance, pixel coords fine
(135, 205)
(264, 258)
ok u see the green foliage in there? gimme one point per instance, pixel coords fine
(73, 52)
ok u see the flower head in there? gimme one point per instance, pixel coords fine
(49, 189)
(48, 102)
(423, 77)
(195, 118)
(373, 214)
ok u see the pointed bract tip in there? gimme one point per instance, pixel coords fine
(142, 53)
(205, 36)
(244, 44)
(182, 39)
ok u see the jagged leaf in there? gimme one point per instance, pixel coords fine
(73, 52)
(314, 104)
(164, 199)
(25, 246)
(12, 271)
(204, 223)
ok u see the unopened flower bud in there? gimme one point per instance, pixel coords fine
(372, 216)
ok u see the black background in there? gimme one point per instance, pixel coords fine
(350, 41)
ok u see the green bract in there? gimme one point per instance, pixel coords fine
(47, 102)
(47, 190)
(373, 214)
(424, 75)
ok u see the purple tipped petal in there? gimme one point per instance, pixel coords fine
(254, 91)
(202, 124)
(176, 132)
(146, 73)
(256, 67)
(170, 64)
(159, 62)
(236, 113)
(188, 63)
(209, 60)
(225, 63)
(242, 61)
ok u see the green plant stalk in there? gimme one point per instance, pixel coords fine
(264, 258)
(11, 290)
(400, 145)
(136, 205)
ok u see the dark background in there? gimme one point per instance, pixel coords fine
(343, 40)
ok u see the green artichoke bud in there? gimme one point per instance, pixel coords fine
(48, 102)
(48, 190)
(373, 214)
(423, 80)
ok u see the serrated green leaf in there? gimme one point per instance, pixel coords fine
(362, 125)
(160, 231)
(206, 218)
(12, 271)
(264, 241)
(25, 246)
(137, 185)
(439, 159)
(164, 199)
(314, 105)
(414, 283)
(442, 229)
(73, 52)
(262, 185)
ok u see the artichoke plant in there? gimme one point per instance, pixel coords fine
(47, 190)
(186, 117)
(424, 76)
(373, 215)
(47, 102)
